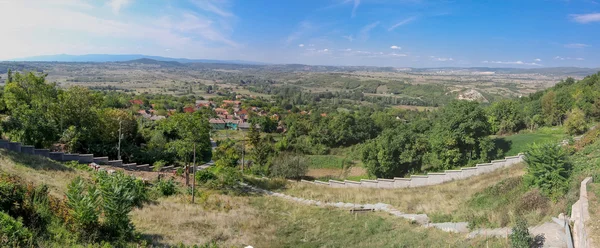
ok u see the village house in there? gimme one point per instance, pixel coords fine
(217, 124)
(189, 110)
(136, 102)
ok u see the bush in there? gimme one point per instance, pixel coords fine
(166, 187)
(575, 122)
(120, 193)
(12, 232)
(158, 165)
(203, 176)
(11, 192)
(547, 169)
(227, 179)
(289, 166)
(25, 201)
(520, 237)
(83, 204)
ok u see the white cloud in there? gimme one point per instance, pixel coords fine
(537, 60)
(85, 29)
(518, 62)
(586, 18)
(116, 5)
(356, 3)
(576, 45)
(213, 6)
(567, 58)
(442, 59)
(405, 21)
(396, 47)
(364, 32)
(349, 38)
(301, 45)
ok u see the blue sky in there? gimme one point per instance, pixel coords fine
(399, 33)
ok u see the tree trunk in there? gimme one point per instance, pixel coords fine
(187, 175)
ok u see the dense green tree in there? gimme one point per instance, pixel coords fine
(395, 153)
(457, 134)
(550, 109)
(29, 101)
(504, 117)
(575, 122)
(227, 154)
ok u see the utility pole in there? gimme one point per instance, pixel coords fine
(243, 150)
(120, 137)
(194, 175)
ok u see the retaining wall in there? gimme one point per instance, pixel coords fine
(81, 158)
(425, 180)
(580, 215)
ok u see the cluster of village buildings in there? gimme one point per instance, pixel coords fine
(230, 114)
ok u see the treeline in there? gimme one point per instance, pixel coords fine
(395, 143)
(458, 134)
(79, 120)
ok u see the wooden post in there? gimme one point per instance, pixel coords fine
(194, 175)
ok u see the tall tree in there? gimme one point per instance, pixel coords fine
(29, 101)
(457, 134)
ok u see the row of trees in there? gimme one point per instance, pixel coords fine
(84, 121)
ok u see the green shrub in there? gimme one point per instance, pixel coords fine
(179, 171)
(12, 232)
(25, 201)
(158, 165)
(83, 203)
(575, 122)
(520, 237)
(547, 169)
(203, 176)
(11, 192)
(166, 187)
(120, 193)
(78, 166)
(289, 166)
(268, 184)
(227, 179)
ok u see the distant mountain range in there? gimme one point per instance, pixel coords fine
(126, 57)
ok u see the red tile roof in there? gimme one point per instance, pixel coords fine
(136, 102)
(189, 110)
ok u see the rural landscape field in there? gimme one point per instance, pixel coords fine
(318, 123)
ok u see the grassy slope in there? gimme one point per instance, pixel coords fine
(39, 170)
(594, 208)
(490, 200)
(517, 143)
(413, 200)
(586, 163)
(260, 221)
(271, 222)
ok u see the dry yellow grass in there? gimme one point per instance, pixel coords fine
(445, 198)
(228, 220)
(336, 173)
(39, 170)
(263, 221)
